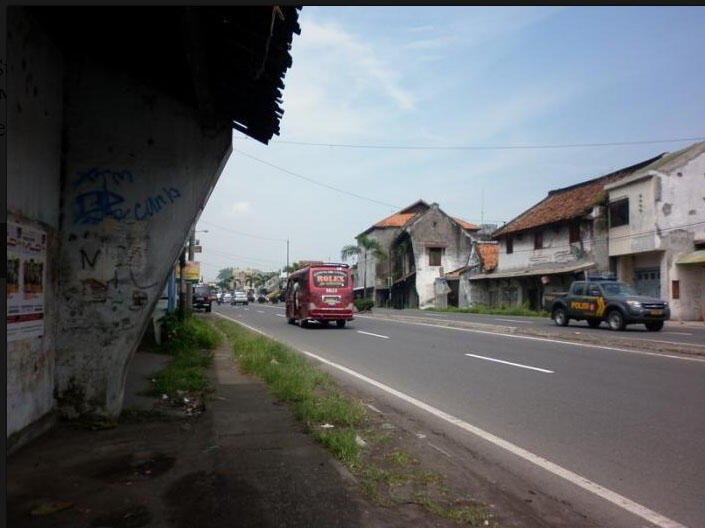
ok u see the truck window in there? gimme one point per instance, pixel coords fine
(578, 288)
(594, 290)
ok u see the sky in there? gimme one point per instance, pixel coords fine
(447, 77)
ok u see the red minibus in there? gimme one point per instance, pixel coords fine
(320, 292)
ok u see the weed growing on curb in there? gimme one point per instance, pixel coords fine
(386, 475)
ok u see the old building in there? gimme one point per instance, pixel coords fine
(483, 259)
(657, 230)
(551, 244)
(421, 243)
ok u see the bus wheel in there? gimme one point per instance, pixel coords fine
(340, 323)
(324, 323)
(291, 321)
(303, 323)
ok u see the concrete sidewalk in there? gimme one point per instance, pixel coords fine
(244, 462)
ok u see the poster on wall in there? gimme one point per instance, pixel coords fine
(26, 280)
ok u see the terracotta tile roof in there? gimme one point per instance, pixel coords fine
(569, 202)
(489, 253)
(402, 217)
(396, 220)
(466, 225)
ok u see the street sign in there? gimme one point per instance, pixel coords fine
(197, 249)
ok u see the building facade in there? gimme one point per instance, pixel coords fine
(551, 244)
(657, 231)
(421, 243)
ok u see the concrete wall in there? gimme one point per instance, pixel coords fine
(666, 218)
(34, 115)
(556, 248)
(137, 170)
(430, 228)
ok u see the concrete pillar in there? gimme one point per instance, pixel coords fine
(137, 170)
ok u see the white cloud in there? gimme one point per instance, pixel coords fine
(241, 208)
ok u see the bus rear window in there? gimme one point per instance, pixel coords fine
(330, 279)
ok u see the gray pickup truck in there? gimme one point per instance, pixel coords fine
(607, 300)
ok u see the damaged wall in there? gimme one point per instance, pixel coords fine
(33, 174)
(138, 169)
(434, 228)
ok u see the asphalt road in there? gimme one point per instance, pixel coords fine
(672, 332)
(632, 423)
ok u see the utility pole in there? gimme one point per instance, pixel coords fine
(189, 286)
(182, 299)
(287, 257)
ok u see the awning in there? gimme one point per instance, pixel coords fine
(531, 272)
(696, 257)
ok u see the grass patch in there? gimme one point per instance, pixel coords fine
(314, 398)
(189, 343)
(387, 475)
(502, 310)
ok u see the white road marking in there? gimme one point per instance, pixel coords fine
(574, 478)
(371, 334)
(446, 453)
(560, 341)
(510, 363)
(280, 315)
(246, 309)
(679, 333)
(260, 311)
(512, 320)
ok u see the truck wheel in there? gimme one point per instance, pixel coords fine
(594, 323)
(560, 317)
(616, 320)
(208, 309)
(340, 323)
(654, 326)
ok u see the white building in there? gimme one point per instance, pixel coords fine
(551, 244)
(657, 230)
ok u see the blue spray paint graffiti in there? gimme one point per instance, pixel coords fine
(96, 204)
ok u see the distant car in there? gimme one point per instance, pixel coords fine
(262, 298)
(202, 298)
(240, 297)
(227, 297)
(251, 296)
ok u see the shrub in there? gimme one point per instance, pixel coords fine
(364, 305)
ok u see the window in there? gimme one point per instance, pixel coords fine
(675, 289)
(574, 232)
(594, 291)
(510, 244)
(619, 213)
(579, 288)
(434, 256)
(538, 240)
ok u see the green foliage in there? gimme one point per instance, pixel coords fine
(364, 304)
(523, 310)
(312, 394)
(185, 341)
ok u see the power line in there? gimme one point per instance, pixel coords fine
(487, 147)
(243, 233)
(316, 182)
(240, 257)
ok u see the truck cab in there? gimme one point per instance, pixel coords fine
(605, 299)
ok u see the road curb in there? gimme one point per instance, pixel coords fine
(576, 338)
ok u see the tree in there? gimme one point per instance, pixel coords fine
(365, 246)
(224, 278)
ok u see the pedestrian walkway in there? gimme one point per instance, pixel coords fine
(244, 462)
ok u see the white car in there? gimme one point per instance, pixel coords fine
(227, 297)
(240, 297)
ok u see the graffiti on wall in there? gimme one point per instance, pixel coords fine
(102, 195)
